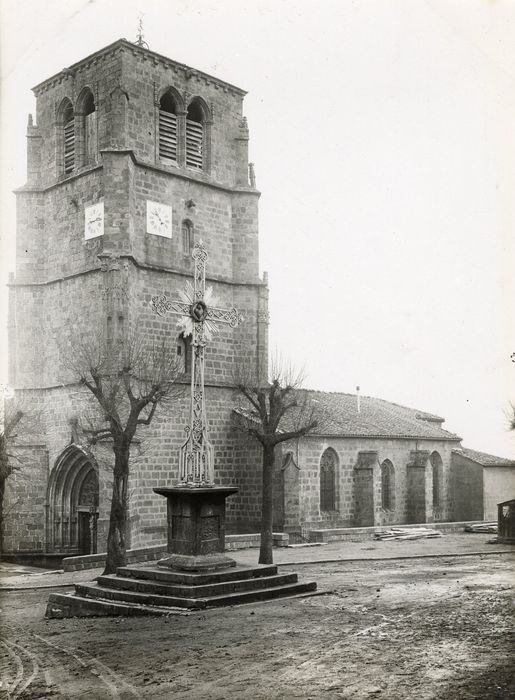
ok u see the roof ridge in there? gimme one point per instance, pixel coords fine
(374, 398)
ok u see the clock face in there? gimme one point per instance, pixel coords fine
(94, 220)
(159, 219)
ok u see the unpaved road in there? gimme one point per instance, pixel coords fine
(420, 628)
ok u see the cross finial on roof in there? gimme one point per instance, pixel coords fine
(139, 39)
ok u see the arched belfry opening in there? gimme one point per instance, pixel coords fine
(168, 127)
(72, 500)
(197, 135)
(66, 137)
(87, 131)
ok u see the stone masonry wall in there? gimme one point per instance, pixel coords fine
(24, 502)
(399, 452)
(466, 489)
(157, 465)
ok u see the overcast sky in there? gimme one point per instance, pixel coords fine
(382, 132)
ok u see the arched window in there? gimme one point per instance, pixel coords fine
(168, 127)
(328, 465)
(387, 485)
(195, 136)
(187, 237)
(437, 470)
(67, 123)
(89, 128)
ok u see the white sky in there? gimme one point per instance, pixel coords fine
(383, 137)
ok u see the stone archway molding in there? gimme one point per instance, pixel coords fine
(72, 468)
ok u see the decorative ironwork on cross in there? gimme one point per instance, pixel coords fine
(199, 318)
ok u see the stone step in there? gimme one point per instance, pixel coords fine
(195, 591)
(93, 590)
(97, 592)
(236, 573)
(261, 594)
(61, 605)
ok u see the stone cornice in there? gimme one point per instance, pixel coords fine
(176, 172)
(142, 266)
(27, 189)
(181, 381)
(123, 45)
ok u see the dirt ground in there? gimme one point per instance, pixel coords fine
(419, 628)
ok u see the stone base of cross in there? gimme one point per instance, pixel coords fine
(199, 319)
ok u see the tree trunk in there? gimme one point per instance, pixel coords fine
(267, 506)
(2, 494)
(118, 520)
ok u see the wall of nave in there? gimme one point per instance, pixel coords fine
(374, 482)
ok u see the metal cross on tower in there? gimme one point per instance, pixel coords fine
(198, 319)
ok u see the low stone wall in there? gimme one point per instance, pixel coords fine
(94, 561)
(232, 543)
(362, 534)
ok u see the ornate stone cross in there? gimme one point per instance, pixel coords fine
(198, 319)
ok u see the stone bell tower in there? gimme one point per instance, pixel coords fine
(131, 159)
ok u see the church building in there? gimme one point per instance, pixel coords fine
(132, 158)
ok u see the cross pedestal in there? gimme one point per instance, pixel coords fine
(196, 527)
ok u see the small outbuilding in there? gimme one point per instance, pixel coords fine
(479, 482)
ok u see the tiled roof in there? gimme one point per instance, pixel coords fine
(337, 415)
(485, 459)
(376, 418)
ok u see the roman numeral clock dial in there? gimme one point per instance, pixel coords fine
(94, 220)
(159, 219)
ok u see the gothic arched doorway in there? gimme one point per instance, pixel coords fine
(73, 503)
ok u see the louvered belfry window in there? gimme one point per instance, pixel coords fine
(194, 137)
(90, 130)
(167, 128)
(69, 141)
(327, 480)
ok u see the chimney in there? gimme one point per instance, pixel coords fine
(358, 398)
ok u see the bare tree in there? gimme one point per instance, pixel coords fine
(16, 421)
(275, 411)
(129, 379)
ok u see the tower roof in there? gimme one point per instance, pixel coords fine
(125, 45)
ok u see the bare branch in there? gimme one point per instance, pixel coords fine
(148, 419)
(277, 407)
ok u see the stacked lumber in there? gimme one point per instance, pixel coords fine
(406, 533)
(482, 527)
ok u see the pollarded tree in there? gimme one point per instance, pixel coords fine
(19, 424)
(11, 460)
(275, 411)
(129, 379)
